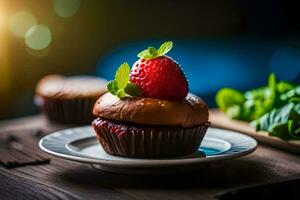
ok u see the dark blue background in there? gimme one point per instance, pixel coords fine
(211, 64)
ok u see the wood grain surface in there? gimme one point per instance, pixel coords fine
(82, 181)
(20, 148)
(14, 187)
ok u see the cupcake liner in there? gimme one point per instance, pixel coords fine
(133, 140)
(73, 111)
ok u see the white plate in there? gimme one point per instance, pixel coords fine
(80, 144)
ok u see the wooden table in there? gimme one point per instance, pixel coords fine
(62, 179)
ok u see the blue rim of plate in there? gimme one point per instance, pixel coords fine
(58, 144)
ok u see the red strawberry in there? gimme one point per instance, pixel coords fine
(159, 76)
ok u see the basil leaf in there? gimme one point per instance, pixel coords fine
(294, 93)
(234, 111)
(281, 122)
(281, 130)
(227, 97)
(284, 86)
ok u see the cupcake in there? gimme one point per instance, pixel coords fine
(148, 111)
(69, 99)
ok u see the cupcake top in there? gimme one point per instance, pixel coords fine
(187, 112)
(57, 86)
(154, 91)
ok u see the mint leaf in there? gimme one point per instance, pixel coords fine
(294, 100)
(151, 52)
(228, 97)
(122, 75)
(144, 54)
(165, 48)
(112, 87)
(121, 94)
(121, 86)
(132, 89)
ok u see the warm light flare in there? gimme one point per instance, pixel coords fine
(5, 78)
(20, 22)
(2, 20)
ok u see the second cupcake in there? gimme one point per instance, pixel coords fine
(69, 99)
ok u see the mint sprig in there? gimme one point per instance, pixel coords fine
(151, 52)
(121, 86)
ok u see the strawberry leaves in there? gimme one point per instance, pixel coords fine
(151, 52)
(121, 86)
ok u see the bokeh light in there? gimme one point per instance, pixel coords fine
(38, 37)
(66, 8)
(20, 22)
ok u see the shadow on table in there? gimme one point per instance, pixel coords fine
(224, 174)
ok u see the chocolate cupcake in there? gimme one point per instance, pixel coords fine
(148, 127)
(69, 99)
(149, 112)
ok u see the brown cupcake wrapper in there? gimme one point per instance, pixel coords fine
(129, 140)
(71, 111)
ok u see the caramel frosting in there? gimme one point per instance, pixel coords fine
(57, 86)
(188, 112)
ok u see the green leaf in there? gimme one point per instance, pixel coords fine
(252, 109)
(122, 75)
(151, 52)
(121, 86)
(260, 100)
(291, 126)
(121, 94)
(165, 48)
(282, 131)
(112, 87)
(132, 89)
(296, 132)
(227, 97)
(294, 100)
(274, 108)
(281, 122)
(287, 130)
(144, 54)
(293, 93)
(284, 86)
(270, 97)
(233, 112)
